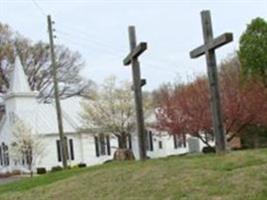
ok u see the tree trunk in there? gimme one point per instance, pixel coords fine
(122, 138)
(123, 152)
(31, 170)
(184, 140)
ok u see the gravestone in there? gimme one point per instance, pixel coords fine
(193, 145)
(123, 154)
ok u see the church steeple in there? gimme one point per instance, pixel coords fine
(19, 85)
(18, 81)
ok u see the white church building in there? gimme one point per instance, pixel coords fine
(83, 147)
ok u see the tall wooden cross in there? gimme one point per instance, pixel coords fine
(132, 58)
(210, 44)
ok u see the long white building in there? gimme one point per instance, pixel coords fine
(84, 147)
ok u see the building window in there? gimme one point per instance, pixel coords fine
(102, 145)
(96, 147)
(59, 151)
(149, 141)
(129, 143)
(108, 145)
(5, 155)
(70, 149)
(1, 156)
(160, 145)
(178, 142)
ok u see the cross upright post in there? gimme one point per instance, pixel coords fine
(132, 58)
(210, 44)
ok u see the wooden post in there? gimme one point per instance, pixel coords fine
(210, 44)
(132, 58)
(58, 108)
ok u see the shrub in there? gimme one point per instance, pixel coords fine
(81, 165)
(9, 174)
(41, 170)
(209, 150)
(5, 175)
(56, 169)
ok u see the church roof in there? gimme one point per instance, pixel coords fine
(43, 119)
(40, 116)
(19, 82)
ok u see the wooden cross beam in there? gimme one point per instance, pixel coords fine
(142, 83)
(132, 58)
(137, 51)
(210, 44)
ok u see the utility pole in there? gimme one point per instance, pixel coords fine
(132, 58)
(63, 143)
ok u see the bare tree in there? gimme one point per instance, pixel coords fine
(27, 147)
(36, 61)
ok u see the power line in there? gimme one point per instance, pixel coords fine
(39, 7)
(111, 52)
(93, 42)
(87, 35)
(108, 47)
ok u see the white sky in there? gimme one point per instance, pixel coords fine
(98, 30)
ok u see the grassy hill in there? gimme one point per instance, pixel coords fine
(237, 175)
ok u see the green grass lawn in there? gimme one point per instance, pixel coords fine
(237, 175)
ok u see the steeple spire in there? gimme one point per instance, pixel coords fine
(18, 81)
(19, 95)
